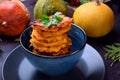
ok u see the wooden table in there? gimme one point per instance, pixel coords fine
(112, 73)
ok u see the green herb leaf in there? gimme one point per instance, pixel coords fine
(65, 2)
(85, 1)
(58, 18)
(47, 23)
(44, 16)
(113, 52)
(53, 21)
(101, 0)
(45, 20)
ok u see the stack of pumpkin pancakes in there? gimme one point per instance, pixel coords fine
(53, 40)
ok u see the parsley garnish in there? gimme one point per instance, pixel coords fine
(51, 21)
(113, 52)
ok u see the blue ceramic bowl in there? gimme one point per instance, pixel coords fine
(51, 65)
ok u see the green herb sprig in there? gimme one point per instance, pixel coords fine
(51, 21)
(86, 1)
(113, 52)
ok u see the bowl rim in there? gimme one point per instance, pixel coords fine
(52, 57)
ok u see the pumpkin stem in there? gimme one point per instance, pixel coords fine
(4, 23)
(97, 2)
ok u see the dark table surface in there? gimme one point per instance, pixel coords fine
(111, 73)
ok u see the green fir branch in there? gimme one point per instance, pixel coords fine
(113, 52)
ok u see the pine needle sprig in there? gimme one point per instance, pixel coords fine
(113, 52)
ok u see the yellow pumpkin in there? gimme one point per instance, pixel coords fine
(96, 19)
